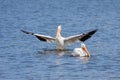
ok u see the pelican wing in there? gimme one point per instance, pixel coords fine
(41, 37)
(72, 39)
(80, 37)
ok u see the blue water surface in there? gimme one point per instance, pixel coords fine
(23, 57)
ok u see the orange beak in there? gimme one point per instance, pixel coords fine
(86, 50)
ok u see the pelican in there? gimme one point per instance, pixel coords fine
(81, 52)
(61, 41)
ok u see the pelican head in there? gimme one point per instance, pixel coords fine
(84, 48)
(83, 45)
(59, 28)
(58, 31)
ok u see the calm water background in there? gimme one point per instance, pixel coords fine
(23, 57)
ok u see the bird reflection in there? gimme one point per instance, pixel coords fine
(63, 53)
(84, 59)
(58, 52)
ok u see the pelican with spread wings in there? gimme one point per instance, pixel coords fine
(62, 41)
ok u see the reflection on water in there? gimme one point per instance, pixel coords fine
(84, 59)
(55, 51)
(58, 61)
(66, 52)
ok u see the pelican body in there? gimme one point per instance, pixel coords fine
(61, 41)
(82, 51)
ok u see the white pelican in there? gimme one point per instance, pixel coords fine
(61, 41)
(82, 51)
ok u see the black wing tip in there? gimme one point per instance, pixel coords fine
(26, 32)
(88, 35)
(93, 31)
(40, 38)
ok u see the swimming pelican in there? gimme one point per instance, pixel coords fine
(82, 51)
(61, 41)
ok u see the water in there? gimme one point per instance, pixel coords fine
(23, 57)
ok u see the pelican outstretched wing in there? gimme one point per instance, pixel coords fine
(78, 38)
(41, 37)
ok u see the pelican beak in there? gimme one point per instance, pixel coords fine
(86, 50)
